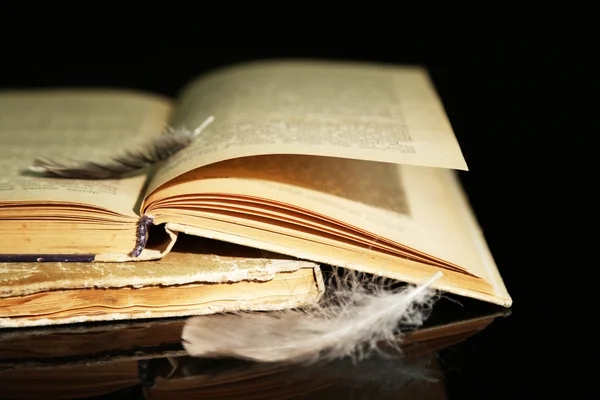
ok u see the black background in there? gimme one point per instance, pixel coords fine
(520, 91)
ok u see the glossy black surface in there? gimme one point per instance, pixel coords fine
(532, 180)
(109, 360)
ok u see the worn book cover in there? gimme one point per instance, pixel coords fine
(200, 276)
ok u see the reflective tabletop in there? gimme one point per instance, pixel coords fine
(145, 360)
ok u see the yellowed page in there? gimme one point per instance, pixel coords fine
(411, 206)
(91, 124)
(356, 111)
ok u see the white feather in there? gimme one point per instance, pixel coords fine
(353, 321)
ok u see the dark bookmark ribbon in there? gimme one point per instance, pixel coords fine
(46, 257)
(142, 235)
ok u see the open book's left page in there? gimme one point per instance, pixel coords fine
(74, 124)
(62, 125)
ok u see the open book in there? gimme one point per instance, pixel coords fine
(345, 164)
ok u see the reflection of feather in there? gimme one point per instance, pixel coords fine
(380, 376)
(353, 321)
(132, 162)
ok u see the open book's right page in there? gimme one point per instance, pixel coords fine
(349, 110)
(418, 213)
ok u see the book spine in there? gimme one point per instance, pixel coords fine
(142, 235)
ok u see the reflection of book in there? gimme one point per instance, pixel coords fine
(342, 164)
(195, 278)
(50, 347)
(377, 377)
(75, 361)
(190, 378)
(71, 382)
(434, 338)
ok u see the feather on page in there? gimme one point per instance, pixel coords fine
(353, 322)
(130, 163)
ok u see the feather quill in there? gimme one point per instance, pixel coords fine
(353, 321)
(128, 164)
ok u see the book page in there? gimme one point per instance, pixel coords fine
(88, 125)
(349, 110)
